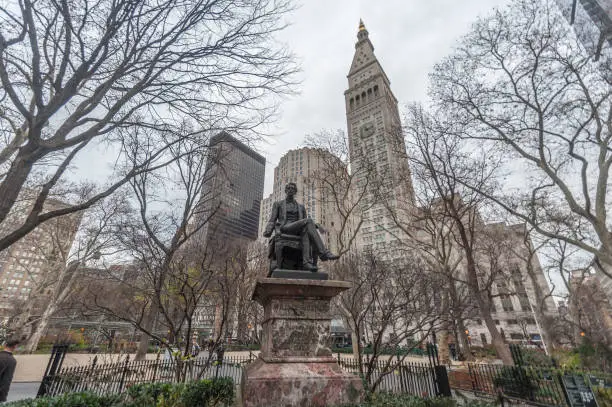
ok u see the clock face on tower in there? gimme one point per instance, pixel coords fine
(366, 129)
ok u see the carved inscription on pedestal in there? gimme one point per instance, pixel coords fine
(300, 338)
(302, 309)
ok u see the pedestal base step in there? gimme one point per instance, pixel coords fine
(299, 384)
(299, 274)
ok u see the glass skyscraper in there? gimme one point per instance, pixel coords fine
(232, 191)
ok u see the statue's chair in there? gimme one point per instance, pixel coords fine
(285, 251)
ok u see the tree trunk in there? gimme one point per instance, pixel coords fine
(15, 178)
(443, 351)
(464, 343)
(502, 349)
(606, 319)
(503, 352)
(21, 323)
(143, 346)
(41, 328)
(355, 340)
(241, 326)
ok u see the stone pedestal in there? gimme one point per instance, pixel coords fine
(296, 366)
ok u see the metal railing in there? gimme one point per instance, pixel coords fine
(539, 386)
(117, 377)
(418, 379)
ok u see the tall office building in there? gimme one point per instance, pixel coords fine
(592, 20)
(306, 167)
(377, 148)
(378, 156)
(232, 192)
(28, 262)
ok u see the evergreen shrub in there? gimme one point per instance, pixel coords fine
(203, 393)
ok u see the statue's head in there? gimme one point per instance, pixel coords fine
(291, 189)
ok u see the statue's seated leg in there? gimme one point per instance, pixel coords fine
(314, 255)
(273, 267)
(279, 255)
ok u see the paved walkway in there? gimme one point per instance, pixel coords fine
(23, 390)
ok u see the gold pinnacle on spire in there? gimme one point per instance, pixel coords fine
(361, 25)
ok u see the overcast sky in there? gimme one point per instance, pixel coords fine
(409, 37)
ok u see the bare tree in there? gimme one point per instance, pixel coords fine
(438, 153)
(543, 307)
(585, 309)
(432, 236)
(94, 240)
(76, 74)
(249, 314)
(172, 210)
(190, 281)
(426, 229)
(589, 311)
(183, 263)
(392, 307)
(527, 93)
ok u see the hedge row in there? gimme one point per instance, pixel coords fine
(203, 393)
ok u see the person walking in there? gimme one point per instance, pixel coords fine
(195, 349)
(7, 367)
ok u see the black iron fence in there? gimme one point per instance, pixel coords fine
(541, 386)
(117, 377)
(418, 379)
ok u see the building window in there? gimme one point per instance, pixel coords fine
(524, 301)
(483, 339)
(506, 301)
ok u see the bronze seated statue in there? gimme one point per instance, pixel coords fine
(285, 252)
(296, 244)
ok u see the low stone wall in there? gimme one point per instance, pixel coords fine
(460, 379)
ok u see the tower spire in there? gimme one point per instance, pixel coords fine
(362, 33)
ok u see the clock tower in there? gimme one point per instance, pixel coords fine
(377, 149)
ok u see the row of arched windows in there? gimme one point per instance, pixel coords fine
(365, 97)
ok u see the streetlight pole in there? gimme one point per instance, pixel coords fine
(535, 317)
